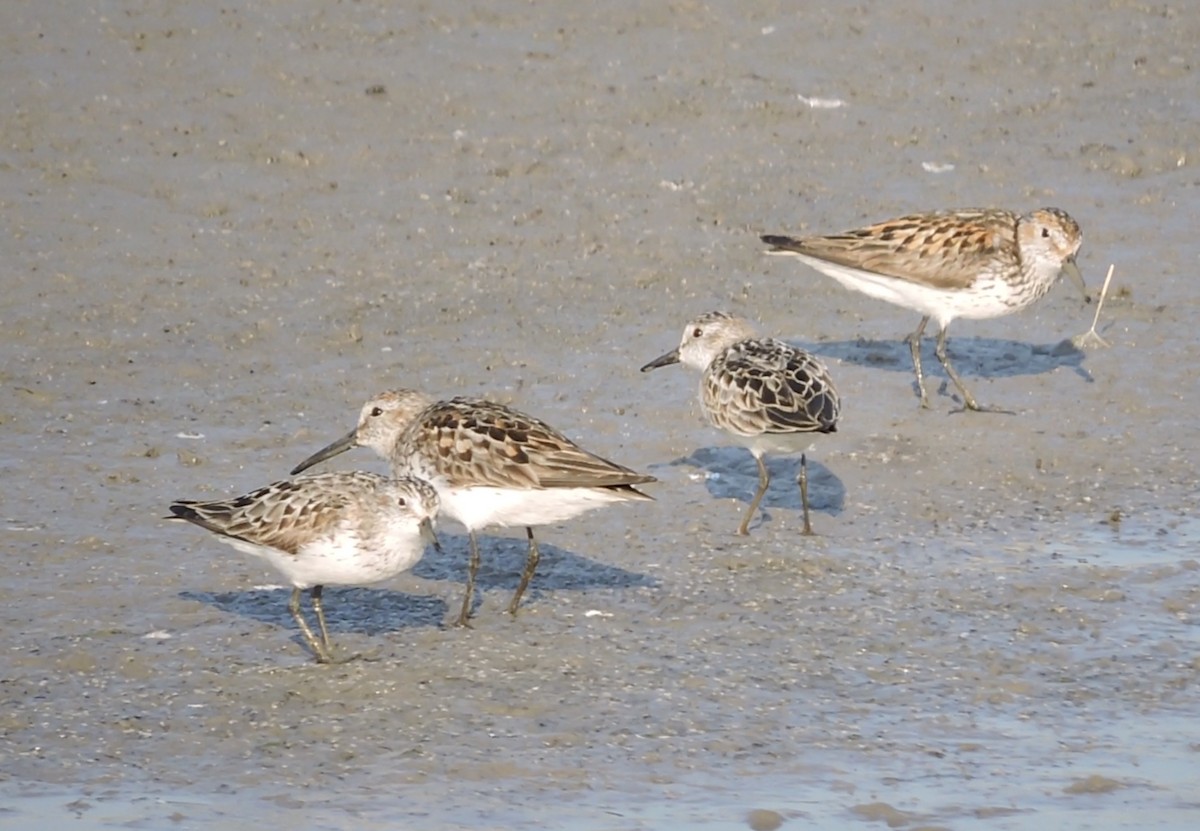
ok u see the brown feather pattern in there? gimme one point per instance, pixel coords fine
(284, 515)
(943, 249)
(479, 442)
(767, 386)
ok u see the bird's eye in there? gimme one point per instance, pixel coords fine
(376, 412)
(402, 502)
(697, 332)
(1045, 233)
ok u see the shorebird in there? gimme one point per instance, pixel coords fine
(345, 529)
(767, 394)
(972, 263)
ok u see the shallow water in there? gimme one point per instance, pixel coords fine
(228, 226)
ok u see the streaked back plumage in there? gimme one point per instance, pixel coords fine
(750, 385)
(766, 393)
(344, 528)
(472, 442)
(943, 249)
(319, 528)
(767, 386)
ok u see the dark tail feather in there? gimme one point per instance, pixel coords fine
(187, 510)
(183, 510)
(779, 243)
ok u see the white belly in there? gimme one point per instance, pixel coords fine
(783, 443)
(481, 507)
(340, 560)
(986, 298)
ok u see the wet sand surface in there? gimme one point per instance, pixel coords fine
(225, 227)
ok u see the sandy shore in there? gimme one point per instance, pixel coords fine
(227, 226)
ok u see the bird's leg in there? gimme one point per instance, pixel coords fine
(802, 481)
(531, 563)
(319, 608)
(318, 649)
(764, 479)
(969, 402)
(914, 345)
(472, 570)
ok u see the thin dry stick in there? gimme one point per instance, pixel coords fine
(1091, 337)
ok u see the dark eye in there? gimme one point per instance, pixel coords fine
(402, 502)
(376, 412)
(697, 332)
(1045, 233)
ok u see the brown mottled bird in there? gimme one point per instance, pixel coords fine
(345, 529)
(768, 394)
(972, 263)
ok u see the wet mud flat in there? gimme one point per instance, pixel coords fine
(1015, 684)
(226, 227)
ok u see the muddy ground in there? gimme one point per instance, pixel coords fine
(225, 226)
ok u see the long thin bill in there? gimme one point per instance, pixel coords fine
(346, 442)
(429, 535)
(671, 357)
(1071, 270)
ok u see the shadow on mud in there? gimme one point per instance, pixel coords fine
(366, 611)
(972, 357)
(731, 473)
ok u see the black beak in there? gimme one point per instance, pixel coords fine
(346, 442)
(671, 357)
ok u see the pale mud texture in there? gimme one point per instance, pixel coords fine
(224, 227)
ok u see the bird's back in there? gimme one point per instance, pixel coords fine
(944, 250)
(469, 442)
(767, 386)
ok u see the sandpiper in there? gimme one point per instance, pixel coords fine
(346, 529)
(972, 263)
(769, 395)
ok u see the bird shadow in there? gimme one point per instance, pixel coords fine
(974, 357)
(732, 473)
(502, 560)
(376, 611)
(364, 611)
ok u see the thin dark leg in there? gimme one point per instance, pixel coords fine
(802, 480)
(472, 570)
(764, 479)
(969, 402)
(914, 345)
(319, 608)
(531, 564)
(318, 649)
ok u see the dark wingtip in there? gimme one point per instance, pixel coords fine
(181, 510)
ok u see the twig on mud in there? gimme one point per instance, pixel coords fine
(1091, 337)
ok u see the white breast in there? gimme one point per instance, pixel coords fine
(343, 558)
